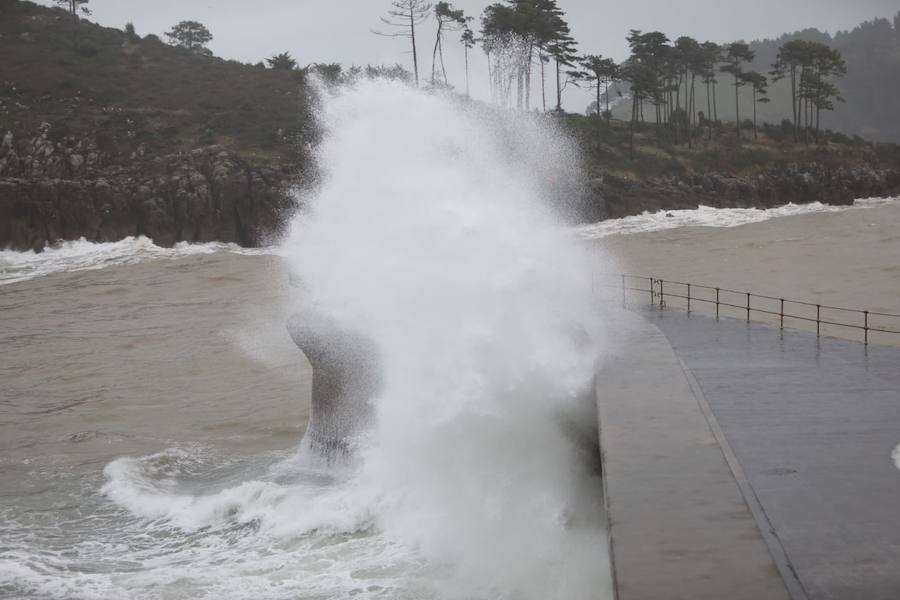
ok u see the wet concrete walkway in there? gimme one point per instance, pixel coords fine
(812, 425)
(680, 527)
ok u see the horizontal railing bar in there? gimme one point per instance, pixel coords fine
(773, 313)
(752, 295)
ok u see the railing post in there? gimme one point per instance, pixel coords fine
(652, 291)
(818, 321)
(662, 295)
(781, 314)
(748, 307)
(689, 298)
(866, 327)
(717, 303)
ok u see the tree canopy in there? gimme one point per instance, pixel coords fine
(282, 61)
(190, 35)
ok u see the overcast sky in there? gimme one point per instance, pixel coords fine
(340, 30)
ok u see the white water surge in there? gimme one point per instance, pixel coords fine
(706, 216)
(432, 238)
(84, 256)
(477, 479)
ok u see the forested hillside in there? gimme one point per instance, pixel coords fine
(871, 86)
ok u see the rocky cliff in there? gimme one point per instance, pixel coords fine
(615, 197)
(64, 190)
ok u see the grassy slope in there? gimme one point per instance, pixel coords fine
(126, 91)
(607, 150)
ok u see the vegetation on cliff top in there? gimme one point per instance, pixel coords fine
(137, 96)
(606, 148)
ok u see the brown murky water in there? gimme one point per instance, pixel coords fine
(99, 362)
(187, 363)
(846, 259)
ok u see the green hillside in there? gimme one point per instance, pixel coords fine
(138, 95)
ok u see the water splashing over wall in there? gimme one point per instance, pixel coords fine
(432, 235)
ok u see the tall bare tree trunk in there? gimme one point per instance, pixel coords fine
(520, 76)
(755, 131)
(558, 89)
(818, 122)
(491, 79)
(434, 53)
(634, 102)
(794, 102)
(468, 94)
(608, 114)
(530, 63)
(543, 84)
(412, 33)
(690, 116)
(715, 101)
(443, 67)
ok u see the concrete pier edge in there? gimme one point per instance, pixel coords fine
(776, 549)
(681, 525)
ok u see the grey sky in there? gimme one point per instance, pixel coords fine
(339, 30)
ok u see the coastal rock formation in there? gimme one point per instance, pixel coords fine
(53, 191)
(68, 189)
(615, 197)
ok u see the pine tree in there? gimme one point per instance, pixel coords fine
(190, 35)
(737, 54)
(404, 17)
(282, 61)
(760, 86)
(448, 19)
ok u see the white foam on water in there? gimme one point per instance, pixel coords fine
(706, 216)
(895, 456)
(294, 531)
(82, 255)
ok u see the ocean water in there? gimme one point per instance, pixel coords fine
(153, 409)
(153, 406)
(83, 255)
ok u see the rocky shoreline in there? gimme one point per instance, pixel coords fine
(67, 190)
(63, 191)
(615, 197)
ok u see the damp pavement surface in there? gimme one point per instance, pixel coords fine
(680, 527)
(812, 424)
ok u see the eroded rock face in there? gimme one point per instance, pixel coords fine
(615, 197)
(206, 195)
(345, 380)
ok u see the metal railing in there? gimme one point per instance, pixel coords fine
(748, 304)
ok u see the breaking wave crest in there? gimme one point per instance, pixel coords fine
(82, 255)
(706, 216)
